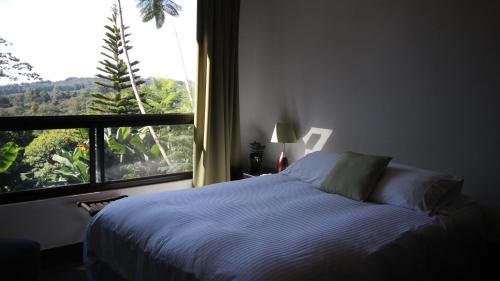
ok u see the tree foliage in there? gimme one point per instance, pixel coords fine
(73, 167)
(122, 102)
(8, 154)
(156, 9)
(114, 73)
(12, 68)
(39, 153)
(60, 157)
(71, 96)
(129, 152)
(167, 96)
(10, 178)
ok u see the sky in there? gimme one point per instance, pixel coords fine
(63, 38)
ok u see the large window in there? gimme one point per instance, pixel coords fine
(82, 111)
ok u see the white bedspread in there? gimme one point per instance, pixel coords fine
(265, 228)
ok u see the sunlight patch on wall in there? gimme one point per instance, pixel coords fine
(315, 139)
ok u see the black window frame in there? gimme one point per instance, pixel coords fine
(96, 125)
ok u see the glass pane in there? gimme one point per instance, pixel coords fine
(133, 152)
(43, 158)
(92, 77)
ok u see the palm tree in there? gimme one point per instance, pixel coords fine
(134, 84)
(156, 9)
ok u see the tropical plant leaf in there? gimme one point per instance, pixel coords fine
(116, 146)
(143, 132)
(64, 169)
(8, 154)
(73, 167)
(28, 176)
(155, 150)
(122, 134)
(77, 154)
(82, 168)
(84, 132)
(62, 160)
(137, 143)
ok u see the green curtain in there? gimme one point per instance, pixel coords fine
(217, 125)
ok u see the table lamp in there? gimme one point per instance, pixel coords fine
(283, 133)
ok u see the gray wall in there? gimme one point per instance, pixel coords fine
(418, 80)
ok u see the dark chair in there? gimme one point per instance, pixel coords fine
(19, 259)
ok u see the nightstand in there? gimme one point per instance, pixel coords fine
(265, 171)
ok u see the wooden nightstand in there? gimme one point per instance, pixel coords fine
(265, 171)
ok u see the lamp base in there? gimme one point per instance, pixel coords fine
(282, 163)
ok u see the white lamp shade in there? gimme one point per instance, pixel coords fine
(283, 133)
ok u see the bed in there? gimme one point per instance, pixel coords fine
(273, 227)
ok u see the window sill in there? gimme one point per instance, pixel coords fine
(54, 192)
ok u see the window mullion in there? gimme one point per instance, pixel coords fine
(100, 154)
(92, 164)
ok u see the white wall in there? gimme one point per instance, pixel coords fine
(417, 80)
(58, 221)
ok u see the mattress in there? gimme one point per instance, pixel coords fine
(273, 227)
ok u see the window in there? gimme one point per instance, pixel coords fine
(70, 118)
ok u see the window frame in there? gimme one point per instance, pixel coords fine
(96, 125)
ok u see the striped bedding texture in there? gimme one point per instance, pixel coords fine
(272, 227)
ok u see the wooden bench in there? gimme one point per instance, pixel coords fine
(93, 207)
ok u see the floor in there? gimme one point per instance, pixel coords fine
(63, 264)
(65, 272)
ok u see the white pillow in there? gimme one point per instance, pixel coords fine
(312, 168)
(415, 188)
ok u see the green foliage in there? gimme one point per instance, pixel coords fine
(156, 9)
(68, 97)
(38, 154)
(125, 146)
(167, 96)
(132, 152)
(122, 102)
(124, 141)
(8, 154)
(51, 157)
(114, 74)
(69, 85)
(179, 144)
(10, 179)
(73, 96)
(114, 70)
(129, 153)
(73, 168)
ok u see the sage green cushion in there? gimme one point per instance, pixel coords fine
(355, 175)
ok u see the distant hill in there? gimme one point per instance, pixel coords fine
(71, 96)
(69, 84)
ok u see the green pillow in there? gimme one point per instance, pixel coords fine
(355, 175)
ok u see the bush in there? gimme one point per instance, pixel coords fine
(38, 154)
